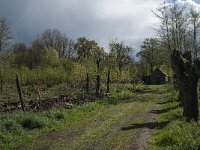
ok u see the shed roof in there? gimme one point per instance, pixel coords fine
(158, 69)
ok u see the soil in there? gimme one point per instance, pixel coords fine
(144, 131)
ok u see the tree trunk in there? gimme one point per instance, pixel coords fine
(180, 94)
(188, 79)
(178, 87)
(190, 102)
(98, 79)
(108, 82)
(98, 85)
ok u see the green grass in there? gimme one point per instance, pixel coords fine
(104, 129)
(84, 126)
(20, 128)
(177, 134)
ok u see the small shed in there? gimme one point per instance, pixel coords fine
(157, 77)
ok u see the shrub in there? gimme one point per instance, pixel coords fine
(32, 123)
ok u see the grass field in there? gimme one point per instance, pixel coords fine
(112, 122)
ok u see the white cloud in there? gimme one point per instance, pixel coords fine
(130, 20)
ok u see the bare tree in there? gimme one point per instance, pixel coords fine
(5, 34)
(5, 41)
(172, 30)
(69, 50)
(53, 38)
(195, 23)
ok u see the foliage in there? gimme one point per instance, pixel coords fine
(121, 54)
(152, 55)
(86, 48)
(148, 52)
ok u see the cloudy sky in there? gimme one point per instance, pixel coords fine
(101, 20)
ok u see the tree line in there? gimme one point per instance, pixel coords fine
(54, 58)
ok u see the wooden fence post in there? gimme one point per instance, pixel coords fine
(87, 83)
(19, 92)
(108, 82)
(98, 82)
(39, 95)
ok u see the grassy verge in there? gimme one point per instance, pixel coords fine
(176, 133)
(18, 128)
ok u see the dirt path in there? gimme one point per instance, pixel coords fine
(122, 126)
(144, 131)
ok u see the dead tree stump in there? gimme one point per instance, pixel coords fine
(187, 74)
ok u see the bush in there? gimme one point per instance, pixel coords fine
(32, 123)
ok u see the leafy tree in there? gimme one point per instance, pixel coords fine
(5, 58)
(99, 57)
(20, 50)
(51, 57)
(122, 54)
(45, 56)
(149, 49)
(88, 51)
(152, 54)
(85, 48)
(110, 64)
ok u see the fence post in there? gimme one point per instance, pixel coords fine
(19, 92)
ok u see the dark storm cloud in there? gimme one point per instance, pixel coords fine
(102, 20)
